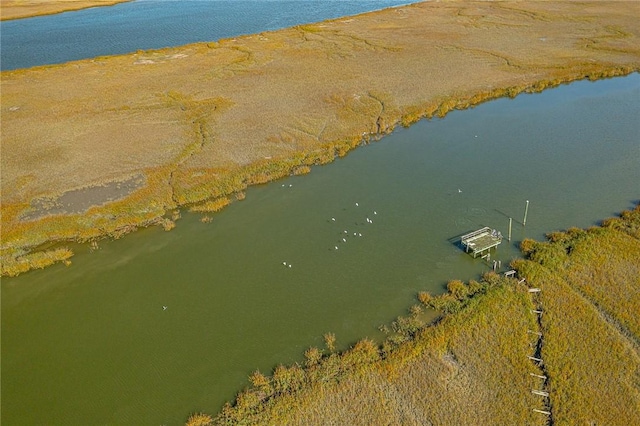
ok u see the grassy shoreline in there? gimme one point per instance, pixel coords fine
(473, 364)
(16, 9)
(210, 119)
(210, 196)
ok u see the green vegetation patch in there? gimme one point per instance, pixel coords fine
(12, 266)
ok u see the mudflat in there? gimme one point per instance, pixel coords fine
(17, 9)
(203, 121)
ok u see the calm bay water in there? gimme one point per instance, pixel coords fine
(153, 24)
(92, 344)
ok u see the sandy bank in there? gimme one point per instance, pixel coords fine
(208, 119)
(17, 9)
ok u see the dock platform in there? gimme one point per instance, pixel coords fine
(480, 241)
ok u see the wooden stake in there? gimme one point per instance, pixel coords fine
(540, 393)
(534, 358)
(542, 412)
(538, 376)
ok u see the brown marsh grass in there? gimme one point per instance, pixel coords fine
(205, 121)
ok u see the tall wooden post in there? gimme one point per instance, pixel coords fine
(510, 220)
(526, 210)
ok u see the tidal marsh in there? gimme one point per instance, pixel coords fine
(241, 119)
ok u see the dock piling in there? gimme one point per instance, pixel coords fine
(540, 393)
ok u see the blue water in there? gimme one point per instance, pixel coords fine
(154, 24)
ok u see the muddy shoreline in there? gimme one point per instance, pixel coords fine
(204, 121)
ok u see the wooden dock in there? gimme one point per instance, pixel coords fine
(480, 241)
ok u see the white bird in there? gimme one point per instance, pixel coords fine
(289, 265)
(356, 204)
(359, 234)
(336, 247)
(345, 231)
(375, 212)
(333, 219)
(284, 263)
(459, 190)
(344, 240)
(354, 234)
(290, 185)
(164, 308)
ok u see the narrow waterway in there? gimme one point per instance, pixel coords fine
(93, 344)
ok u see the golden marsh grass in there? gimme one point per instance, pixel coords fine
(17, 9)
(591, 295)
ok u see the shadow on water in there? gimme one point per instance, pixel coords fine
(270, 274)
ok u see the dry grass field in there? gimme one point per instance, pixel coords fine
(16, 9)
(473, 365)
(203, 121)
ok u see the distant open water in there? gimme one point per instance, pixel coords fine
(154, 24)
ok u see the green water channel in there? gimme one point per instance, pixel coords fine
(92, 344)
